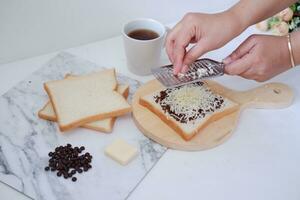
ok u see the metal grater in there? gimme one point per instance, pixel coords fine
(199, 70)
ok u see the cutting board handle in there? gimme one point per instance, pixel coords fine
(270, 95)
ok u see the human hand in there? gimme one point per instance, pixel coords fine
(259, 57)
(207, 31)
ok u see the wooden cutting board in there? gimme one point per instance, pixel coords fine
(271, 95)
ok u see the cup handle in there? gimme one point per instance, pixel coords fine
(168, 29)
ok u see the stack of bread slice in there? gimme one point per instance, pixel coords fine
(91, 101)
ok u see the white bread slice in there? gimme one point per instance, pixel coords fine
(187, 100)
(105, 125)
(87, 98)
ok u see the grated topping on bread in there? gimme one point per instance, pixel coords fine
(188, 109)
(189, 103)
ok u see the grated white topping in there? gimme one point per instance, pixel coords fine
(199, 73)
(203, 72)
(188, 99)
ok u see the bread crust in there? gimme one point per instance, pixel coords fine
(92, 118)
(83, 120)
(88, 126)
(46, 117)
(177, 128)
(125, 94)
(102, 129)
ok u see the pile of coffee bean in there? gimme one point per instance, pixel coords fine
(68, 161)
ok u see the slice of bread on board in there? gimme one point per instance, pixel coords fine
(86, 98)
(188, 109)
(104, 125)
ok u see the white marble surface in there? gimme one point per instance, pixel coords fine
(260, 161)
(25, 141)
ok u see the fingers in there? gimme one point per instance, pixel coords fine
(169, 49)
(243, 49)
(185, 68)
(179, 50)
(195, 52)
(248, 74)
(177, 41)
(239, 66)
(252, 75)
(170, 39)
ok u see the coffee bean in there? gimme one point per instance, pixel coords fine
(67, 161)
(50, 154)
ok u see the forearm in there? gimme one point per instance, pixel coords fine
(295, 40)
(249, 12)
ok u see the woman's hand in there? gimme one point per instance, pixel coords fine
(207, 31)
(259, 57)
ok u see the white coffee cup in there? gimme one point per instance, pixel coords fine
(142, 55)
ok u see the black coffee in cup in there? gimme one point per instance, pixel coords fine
(143, 34)
(143, 42)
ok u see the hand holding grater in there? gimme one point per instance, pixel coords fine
(199, 70)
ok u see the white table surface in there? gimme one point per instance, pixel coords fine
(260, 161)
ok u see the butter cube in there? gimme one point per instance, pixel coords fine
(121, 151)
